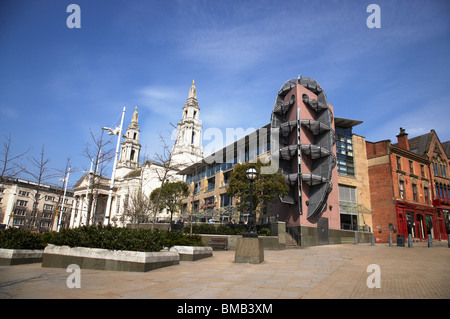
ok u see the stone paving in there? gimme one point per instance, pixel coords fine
(332, 271)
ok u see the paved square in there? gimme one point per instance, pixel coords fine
(332, 271)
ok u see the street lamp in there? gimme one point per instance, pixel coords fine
(66, 181)
(117, 131)
(251, 175)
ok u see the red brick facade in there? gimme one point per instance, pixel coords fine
(401, 189)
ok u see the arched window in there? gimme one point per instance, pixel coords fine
(132, 155)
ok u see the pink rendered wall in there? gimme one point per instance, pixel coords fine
(307, 138)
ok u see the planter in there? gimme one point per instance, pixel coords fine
(103, 259)
(192, 253)
(20, 256)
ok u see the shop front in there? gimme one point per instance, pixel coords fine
(419, 221)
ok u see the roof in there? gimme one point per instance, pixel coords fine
(420, 144)
(446, 147)
(346, 123)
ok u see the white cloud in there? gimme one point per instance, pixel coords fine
(8, 112)
(162, 100)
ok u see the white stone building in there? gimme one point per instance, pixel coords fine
(131, 175)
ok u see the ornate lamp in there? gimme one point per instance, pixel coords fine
(252, 175)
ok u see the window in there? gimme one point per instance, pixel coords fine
(347, 193)
(22, 203)
(411, 170)
(402, 190)
(414, 190)
(422, 171)
(24, 193)
(209, 202)
(344, 152)
(425, 194)
(196, 206)
(19, 212)
(45, 224)
(18, 221)
(225, 200)
(437, 191)
(226, 178)
(48, 207)
(211, 183)
(49, 198)
(399, 163)
(197, 188)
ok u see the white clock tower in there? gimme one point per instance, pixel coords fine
(187, 149)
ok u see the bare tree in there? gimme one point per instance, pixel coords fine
(10, 167)
(100, 155)
(139, 206)
(165, 170)
(40, 172)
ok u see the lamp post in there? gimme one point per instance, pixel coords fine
(117, 131)
(66, 181)
(251, 175)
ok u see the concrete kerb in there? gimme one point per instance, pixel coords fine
(103, 259)
(20, 256)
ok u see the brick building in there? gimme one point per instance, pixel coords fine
(401, 189)
(429, 146)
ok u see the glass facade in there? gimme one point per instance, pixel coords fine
(344, 151)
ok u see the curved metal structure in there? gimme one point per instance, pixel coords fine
(320, 151)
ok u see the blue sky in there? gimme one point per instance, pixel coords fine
(57, 83)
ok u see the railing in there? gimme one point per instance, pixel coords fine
(345, 226)
(295, 233)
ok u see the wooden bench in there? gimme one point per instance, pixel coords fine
(218, 242)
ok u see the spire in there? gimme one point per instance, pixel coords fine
(135, 115)
(193, 91)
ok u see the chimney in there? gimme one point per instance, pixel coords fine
(402, 139)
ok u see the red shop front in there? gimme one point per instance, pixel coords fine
(419, 221)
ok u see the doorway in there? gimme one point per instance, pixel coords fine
(420, 230)
(322, 231)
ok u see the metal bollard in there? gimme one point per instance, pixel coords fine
(430, 242)
(410, 242)
(373, 239)
(390, 239)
